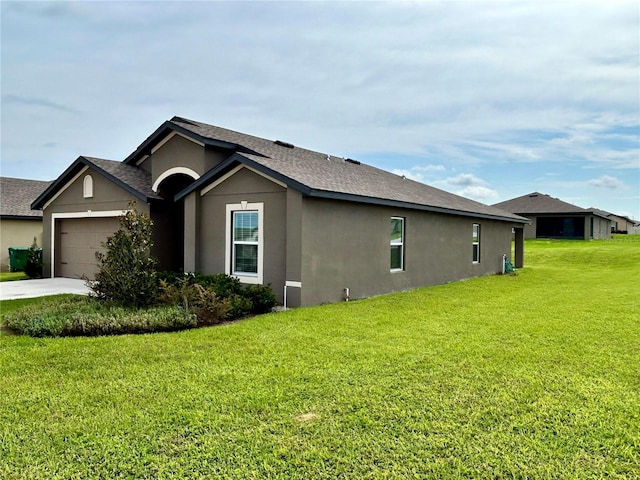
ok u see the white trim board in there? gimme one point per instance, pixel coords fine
(243, 206)
(169, 137)
(66, 185)
(174, 171)
(85, 214)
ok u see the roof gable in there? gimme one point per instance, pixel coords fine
(134, 180)
(171, 127)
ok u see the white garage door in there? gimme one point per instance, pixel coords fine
(79, 240)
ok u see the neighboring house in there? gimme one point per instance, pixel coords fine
(19, 225)
(622, 224)
(619, 223)
(553, 218)
(318, 228)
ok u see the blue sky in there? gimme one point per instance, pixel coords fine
(490, 100)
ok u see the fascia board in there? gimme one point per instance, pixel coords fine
(145, 147)
(71, 174)
(158, 135)
(223, 168)
(413, 206)
(136, 193)
(60, 182)
(21, 217)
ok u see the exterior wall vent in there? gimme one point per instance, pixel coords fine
(351, 160)
(284, 144)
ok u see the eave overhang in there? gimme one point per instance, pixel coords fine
(238, 158)
(73, 169)
(166, 128)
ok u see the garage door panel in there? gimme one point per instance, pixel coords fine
(79, 240)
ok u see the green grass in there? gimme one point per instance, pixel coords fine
(12, 276)
(528, 376)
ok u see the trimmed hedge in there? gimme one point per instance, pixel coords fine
(243, 300)
(88, 317)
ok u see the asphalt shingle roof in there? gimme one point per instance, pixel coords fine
(536, 202)
(16, 195)
(320, 172)
(134, 177)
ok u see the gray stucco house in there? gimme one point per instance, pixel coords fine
(316, 227)
(553, 218)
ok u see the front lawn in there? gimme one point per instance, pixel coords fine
(528, 376)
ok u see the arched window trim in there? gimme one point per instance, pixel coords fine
(87, 186)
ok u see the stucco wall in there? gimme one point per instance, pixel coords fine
(210, 254)
(18, 233)
(347, 245)
(181, 152)
(601, 227)
(106, 197)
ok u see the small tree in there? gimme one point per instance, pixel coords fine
(126, 271)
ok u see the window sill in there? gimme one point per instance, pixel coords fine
(253, 279)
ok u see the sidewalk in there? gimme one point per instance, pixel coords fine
(41, 287)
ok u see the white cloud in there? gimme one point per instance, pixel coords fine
(466, 85)
(481, 194)
(606, 181)
(418, 172)
(465, 180)
(470, 186)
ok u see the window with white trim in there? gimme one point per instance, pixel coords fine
(87, 186)
(244, 251)
(397, 244)
(476, 243)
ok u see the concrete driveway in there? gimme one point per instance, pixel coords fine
(41, 287)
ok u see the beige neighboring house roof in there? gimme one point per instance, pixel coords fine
(16, 195)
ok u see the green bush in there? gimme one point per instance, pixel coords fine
(33, 268)
(208, 307)
(126, 272)
(243, 300)
(262, 298)
(88, 317)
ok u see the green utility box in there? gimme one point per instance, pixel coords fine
(18, 258)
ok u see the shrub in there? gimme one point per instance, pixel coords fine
(242, 300)
(126, 272)
(88, 317)
(208, 307)
(224, 285)
(33, 268)
(262, 298)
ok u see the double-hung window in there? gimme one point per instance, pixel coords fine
(476, 243)
(244, 252)
(397, 244)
